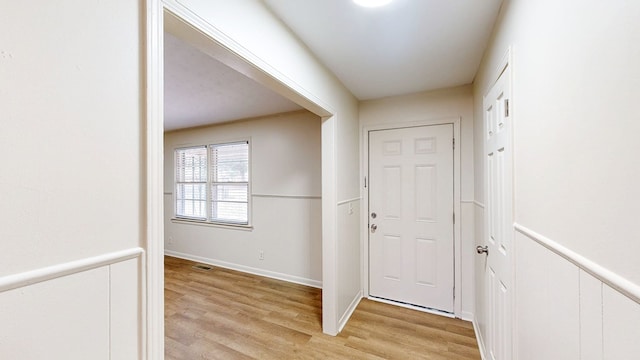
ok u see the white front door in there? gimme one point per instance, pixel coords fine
(411, 215)
(499, 218)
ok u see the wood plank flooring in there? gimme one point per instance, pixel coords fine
(225, 314)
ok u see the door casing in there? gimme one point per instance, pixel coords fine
(457, 243)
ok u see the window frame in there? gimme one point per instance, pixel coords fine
(207, 221)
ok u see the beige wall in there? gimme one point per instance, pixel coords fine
(72, 185)
(575, 89)
(285, 196)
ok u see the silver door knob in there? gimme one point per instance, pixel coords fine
(482, 249)
(374, 227)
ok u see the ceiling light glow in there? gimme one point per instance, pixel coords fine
(371, 3)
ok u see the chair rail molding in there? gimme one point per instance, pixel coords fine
(31, 277)
(615, 281)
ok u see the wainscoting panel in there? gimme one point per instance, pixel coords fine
(89, 308)
(621, 326)
(65, 318)
(547, 304)
(567, 306)
(126, 294)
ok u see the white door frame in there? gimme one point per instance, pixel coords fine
(153, 276)
(457, 243)
(217, 44)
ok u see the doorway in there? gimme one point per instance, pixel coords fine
(412, 241)
(411, 215)
(218, 45)
(498, 229)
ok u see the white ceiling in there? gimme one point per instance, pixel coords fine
(199, 90)
(404, 47)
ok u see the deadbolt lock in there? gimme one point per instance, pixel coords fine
(482, 249)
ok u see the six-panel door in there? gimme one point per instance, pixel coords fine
(411, 193)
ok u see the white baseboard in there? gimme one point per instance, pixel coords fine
(247, 269)
(481, 346)
(347, 314)
(467, 316)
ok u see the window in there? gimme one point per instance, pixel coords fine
(212, 183)
(229, 164)
(191, 183)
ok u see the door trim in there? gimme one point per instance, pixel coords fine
(457, 229)
(152, 307)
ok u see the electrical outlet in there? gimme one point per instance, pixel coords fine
(261, 255)
(350, 208)
(170, 239)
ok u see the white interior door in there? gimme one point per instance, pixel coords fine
(499, 218)
(411, 216)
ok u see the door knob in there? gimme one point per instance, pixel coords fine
(374, 227)
(482, 249)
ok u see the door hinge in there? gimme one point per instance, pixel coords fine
(454, 293)
(454, 143)
(365, 182)
(454, 218)
(506, 108)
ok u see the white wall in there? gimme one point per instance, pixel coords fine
(272, 55)
(286, 211)
(441, 104)
(71, 179)
(575, 89)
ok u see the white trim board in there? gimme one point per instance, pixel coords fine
(297, 197)
(457, 202)
(247, 269)
(153, 238)
(350, 310)
(479, 340)
(608, 277)
(467, 316)
(277, 196)
(343, 202)
(16, 281)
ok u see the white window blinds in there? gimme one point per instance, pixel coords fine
(229, 164)
(191, 182)
(212, 183)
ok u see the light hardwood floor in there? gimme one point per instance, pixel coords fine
(225, 314)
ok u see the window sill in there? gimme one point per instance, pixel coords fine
(210, 224)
